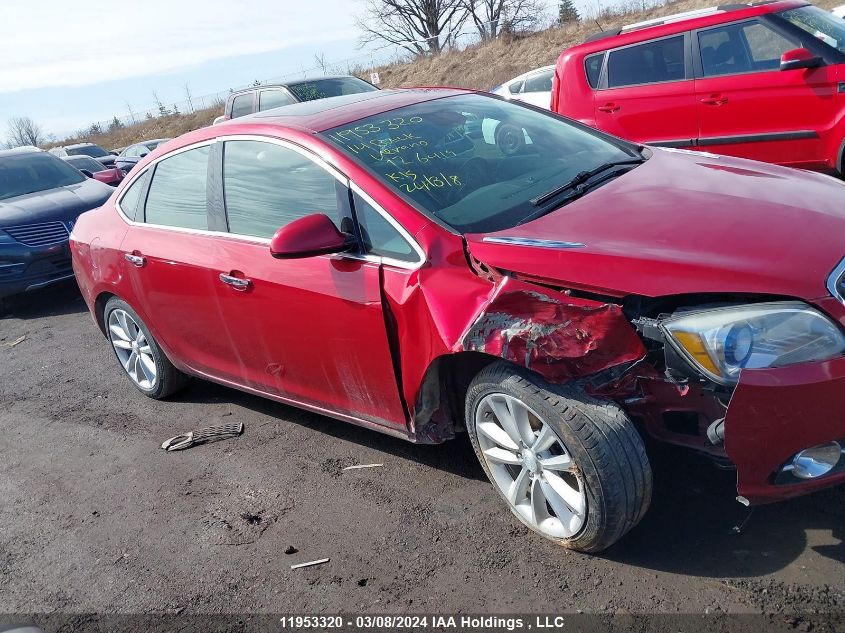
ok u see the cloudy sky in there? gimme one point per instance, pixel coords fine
(68, 64)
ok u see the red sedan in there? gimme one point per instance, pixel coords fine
(425, 262)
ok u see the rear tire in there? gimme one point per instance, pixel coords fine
(138, 353)
(590, 445)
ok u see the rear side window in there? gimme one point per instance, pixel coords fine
(379, 235)
(273, 99)
(593, 67)
(242, 105)
(130, 203)
(541, 82)
(177, 194)
(653, 62)
(741, 48)
(266, 186)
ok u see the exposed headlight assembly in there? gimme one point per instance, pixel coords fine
(721, 342)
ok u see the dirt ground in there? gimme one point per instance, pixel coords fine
(97, 519)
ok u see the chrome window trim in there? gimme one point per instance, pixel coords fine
(529, 241)
(833, 281)
(318, 160)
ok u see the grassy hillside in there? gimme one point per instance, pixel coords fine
(481, 67)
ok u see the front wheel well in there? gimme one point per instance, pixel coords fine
(439, 408)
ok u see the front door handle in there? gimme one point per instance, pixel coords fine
(236, 282)
(135, 260)
(610, 108)
(715, 100)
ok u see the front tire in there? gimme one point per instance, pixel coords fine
(571, 467)
(138, 353)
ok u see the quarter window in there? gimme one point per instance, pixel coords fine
(177, 194)
(130, 202)
(653, 62)
(593, 67)
(541, 82)
(267, 186)
(242, 105)
(380, 237)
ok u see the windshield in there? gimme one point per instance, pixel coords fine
(27, 173)
(322, 88)
(827, 27)
(88, 150)
(86, 162)
(477, 163)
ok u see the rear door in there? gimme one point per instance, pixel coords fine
(647, 93)
(309, 330)
(749, 107)
(168, 258)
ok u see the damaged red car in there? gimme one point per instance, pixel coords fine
(427, 262)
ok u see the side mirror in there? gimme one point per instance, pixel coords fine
(87, 173)
(114, 153)
(799, 58)
(142, 154)
(312, 235)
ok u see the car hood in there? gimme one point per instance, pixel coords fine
(63, 204)
(685, 222)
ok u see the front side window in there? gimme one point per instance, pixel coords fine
(653, 62)
(266, 186)
(242, 105)
(177, 195)
(273, 99)
(541, 82)
(333, 87)
(741, 48)
(37, 171)
(516, 87)
(825, 26)
(486, 179)
(380, 237)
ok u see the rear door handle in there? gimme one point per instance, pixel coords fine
(236, 282)
(609, 108)
(715, 100)
(135, 260)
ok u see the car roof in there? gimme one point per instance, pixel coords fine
(680, 22)
(75, 145)
(23, 149)
(322, 114)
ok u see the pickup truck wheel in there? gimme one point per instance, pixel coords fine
(571, 467)
(149, 370)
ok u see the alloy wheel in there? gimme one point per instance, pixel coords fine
(132, 349)
(531, 466)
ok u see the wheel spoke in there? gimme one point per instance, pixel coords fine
(574, 499)
(121, 344)
(502, 456)
(519, 487)
(119, 332)
(539, 512)
(502, 411)
(557, 462)
(130, 362)
(139, 338)
(147, 366)
(496, 434)
(545, 439)
(146, 350)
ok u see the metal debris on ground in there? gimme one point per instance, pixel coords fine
(358, 466)
(210, 434)
(17, 341)
(310, 563)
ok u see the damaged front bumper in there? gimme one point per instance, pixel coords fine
(776, 413)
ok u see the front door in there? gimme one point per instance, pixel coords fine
(647, 94)
(310, 330)
(748, 107)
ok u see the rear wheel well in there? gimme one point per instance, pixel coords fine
(99, 307)
(439, 409)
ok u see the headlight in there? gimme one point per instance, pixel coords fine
(723, 341)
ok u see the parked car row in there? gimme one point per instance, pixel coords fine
(424, 262)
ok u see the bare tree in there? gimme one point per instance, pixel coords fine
(416, 25)
(320, 60)
(24, 131)
(189, 98)
(490, 16)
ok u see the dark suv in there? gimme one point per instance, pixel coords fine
(40, 198)
(258, 98)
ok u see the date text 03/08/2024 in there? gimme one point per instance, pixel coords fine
(389, 622)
